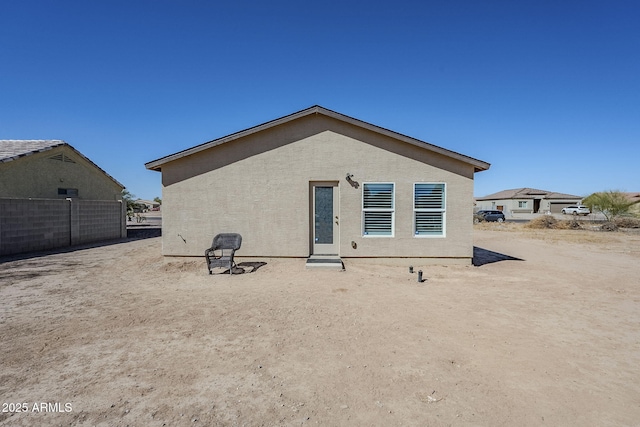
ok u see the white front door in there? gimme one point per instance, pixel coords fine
(325, 223)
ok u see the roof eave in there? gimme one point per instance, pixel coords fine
(32, 152)
(96, 166)
(478, 165)
(157, 164)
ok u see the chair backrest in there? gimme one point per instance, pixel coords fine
(227, 241)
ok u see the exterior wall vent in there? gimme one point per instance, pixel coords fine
(61, 157)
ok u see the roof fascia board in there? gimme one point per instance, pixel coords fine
(479, 165)
(32, 152)
(92, 164)
(58, 144)
(155, 164)
(517, 197)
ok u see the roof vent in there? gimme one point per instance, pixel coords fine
(61, 157)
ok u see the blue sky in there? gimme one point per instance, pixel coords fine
(548, 92)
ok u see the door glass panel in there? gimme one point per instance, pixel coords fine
(324, 215)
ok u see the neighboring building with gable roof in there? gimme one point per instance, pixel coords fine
(635, 198)
(526, 201)
(50, 169)
(320, 183)
(52, 196)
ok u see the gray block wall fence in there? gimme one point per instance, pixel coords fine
(29, 225)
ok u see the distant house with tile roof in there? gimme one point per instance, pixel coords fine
(635, 198)
(52, 169)
(527, 201)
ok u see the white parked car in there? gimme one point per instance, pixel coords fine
(576, 210)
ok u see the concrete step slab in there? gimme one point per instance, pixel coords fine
(329, 262)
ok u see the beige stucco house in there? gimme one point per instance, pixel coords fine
(526, 201)
(634, 198)
(318, 182)
(52, 169)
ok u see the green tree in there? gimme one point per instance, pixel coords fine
(132, 206)
(612, 203)
(129, 199)
(158, 200)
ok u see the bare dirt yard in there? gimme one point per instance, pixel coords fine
(545, 331)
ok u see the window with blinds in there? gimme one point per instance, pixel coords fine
(378, 204)
(429, 209)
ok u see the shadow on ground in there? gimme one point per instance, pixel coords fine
(484, 256)
(244, 267)
(135, 234)
(143, 233)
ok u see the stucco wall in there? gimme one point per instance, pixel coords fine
(28, 225)
(512, 207)
(508, 205)
(258, 186)
(39, 176)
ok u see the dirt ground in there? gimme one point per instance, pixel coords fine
(545, 331)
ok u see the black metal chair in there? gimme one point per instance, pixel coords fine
(222, 250)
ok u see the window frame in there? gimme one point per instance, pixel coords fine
(522, 204)
(68, 193)
(442, 210)
(392, 210)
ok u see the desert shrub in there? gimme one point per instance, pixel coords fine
(612, 204)
(609, 226)
(568, 225)
(544, 221)
(627, 222)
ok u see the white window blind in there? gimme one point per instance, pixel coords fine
(429, 209)
(378, 209)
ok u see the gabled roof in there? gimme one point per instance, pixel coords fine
(632, 197)
(528, 193)
(478, 165)
(15, 149)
